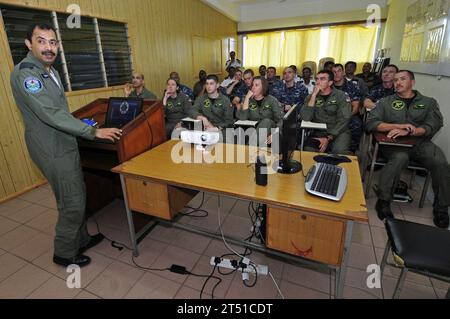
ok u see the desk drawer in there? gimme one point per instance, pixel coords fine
(148, 198)
(302, 234)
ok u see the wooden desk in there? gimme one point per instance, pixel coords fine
(297, 223)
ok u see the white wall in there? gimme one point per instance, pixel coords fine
(438, 88)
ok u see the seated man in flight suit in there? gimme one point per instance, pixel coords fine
(409, 113)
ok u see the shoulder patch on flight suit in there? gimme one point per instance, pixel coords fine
(26, 65)
(253, 106)
(207, 103)
(319, 103)
(169, 105)
(398, 105)
(32, 85)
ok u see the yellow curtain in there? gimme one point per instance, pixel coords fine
(352, 43)
(300, 46)
(263, 48)
(280, 49)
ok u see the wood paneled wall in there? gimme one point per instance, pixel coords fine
(161, 37)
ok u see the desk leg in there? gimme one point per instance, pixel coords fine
(342, 271)
(129, 218)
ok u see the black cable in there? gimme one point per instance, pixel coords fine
(206, 281)
(196, 209)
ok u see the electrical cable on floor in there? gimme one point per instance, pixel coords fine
(276, 285)
(206, 281)
(196, 209)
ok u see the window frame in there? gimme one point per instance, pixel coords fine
(95, 19)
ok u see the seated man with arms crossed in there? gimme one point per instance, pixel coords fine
(331, 106)
(176, 106)
(383, 90)
(213, 109)
(409, 113)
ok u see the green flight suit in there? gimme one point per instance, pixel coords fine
(336, 112)
(219, 112)
(423, 112)
(145, 94)
(268, 113)
(175, 110)
(50, 135)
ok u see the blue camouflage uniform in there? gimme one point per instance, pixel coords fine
(379, 92)
(290, 96)
(356, 124)
(187, 91)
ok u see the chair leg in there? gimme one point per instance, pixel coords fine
(372, 168)
(425, 190)
(400, 282)
(385, 257)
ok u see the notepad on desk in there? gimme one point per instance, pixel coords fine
(246, 123)
(314, 125)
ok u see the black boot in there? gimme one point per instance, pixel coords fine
(80, 260)
(383, 208)
(95, 240)
(441, 219)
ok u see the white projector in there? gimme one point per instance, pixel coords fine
(200, 138)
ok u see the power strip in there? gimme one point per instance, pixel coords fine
(226, 263)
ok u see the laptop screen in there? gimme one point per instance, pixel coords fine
(122, 110)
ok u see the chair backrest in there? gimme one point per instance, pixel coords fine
(310, 64)
(323, 61)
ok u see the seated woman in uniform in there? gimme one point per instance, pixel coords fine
(261, 107)
(176, 106)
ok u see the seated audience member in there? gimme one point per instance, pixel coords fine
(356, 125)
(307, 80)
(199, 87)
(235, 63)
(176, 106)
(137, 88)
(290, 93)
(235, 84)
(371, 78)
(260, 106)
(296, 77)
(262, 71)
(213, 109)
(350, 69)
(272, 78)
(409, 113)
(331, 106)
(229, 79)
(183, 88)
(383, 90)
(242, 90)
(328, 66)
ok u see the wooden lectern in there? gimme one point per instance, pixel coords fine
(146, 131)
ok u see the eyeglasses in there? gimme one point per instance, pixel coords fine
(53, 43)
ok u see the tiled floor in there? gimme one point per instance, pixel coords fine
(27, 271)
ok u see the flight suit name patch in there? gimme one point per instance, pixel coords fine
(32, 85)
(398, 105)
(419, 107)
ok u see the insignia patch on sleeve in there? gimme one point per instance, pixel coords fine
(32, 85)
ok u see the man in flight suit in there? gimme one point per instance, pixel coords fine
(331, 106)
(409, 113)
(50, 135)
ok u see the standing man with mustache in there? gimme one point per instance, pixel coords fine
(50, 135)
